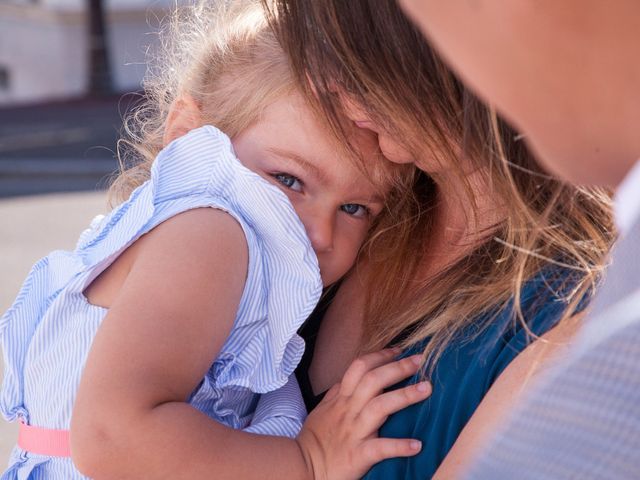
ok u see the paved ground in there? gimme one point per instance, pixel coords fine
(30, 227)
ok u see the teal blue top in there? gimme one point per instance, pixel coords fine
(462, 376)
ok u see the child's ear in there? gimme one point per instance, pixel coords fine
(184, 115)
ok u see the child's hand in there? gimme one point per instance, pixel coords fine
(339, 439)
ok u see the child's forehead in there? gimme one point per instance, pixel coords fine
(301, 134)
(332, 170)
(374, 170)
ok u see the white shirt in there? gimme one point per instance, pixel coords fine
(623, 313)
(627, 200)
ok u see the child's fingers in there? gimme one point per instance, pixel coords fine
(331, 393)
(361, 365)
(376, 380)
(378, 449)
(377, 410)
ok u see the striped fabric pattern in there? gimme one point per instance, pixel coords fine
(583, 420)
(47, 333)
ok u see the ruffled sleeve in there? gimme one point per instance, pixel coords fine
(281, 412)
(283, 287)
(283, 283)
(197, 170)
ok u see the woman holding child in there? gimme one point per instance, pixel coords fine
(164, 345)
(168, 337)
(504, 259)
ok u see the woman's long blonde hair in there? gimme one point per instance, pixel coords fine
(381, 61)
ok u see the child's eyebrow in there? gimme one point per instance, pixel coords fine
(318, 173)
(305, 164)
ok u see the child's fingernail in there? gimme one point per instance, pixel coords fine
(415, 444)
(417, 359)
(423, 387)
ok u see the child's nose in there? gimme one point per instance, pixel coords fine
(320, 230)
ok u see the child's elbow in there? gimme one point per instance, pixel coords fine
(94, 449)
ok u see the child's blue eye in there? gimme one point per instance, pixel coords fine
(355, 210)
(289, 181)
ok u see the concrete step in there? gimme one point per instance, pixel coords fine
(29, 176)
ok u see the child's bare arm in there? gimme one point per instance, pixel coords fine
(165, 327)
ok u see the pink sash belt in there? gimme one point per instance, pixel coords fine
(44, 441)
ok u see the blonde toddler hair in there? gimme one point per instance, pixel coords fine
(225, 58)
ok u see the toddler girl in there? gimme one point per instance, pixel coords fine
(143, 353)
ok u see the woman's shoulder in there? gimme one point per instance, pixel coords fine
(498, 336)
(544, 301)
(468, 367)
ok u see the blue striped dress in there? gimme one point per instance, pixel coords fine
(47, 333)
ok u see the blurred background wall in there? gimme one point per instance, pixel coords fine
(66, 67)
(48, 47)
